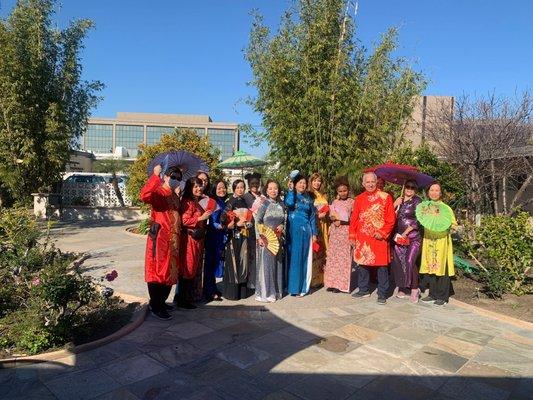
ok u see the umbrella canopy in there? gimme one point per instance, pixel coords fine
(391, 164)
(400, 173)
(242, 160)
(433, 215)
(189, 163)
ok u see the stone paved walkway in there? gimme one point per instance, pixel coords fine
(323, 346)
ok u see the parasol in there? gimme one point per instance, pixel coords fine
(270, 237)
(241, 160)
(188, 163)
(434, 215)
(400, 173)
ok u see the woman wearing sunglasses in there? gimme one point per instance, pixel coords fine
(407, 243)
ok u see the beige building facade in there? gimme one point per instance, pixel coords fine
(424, 115)
(121, 136)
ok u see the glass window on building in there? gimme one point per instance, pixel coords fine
(98, 138)
(224, 139)
(130, 137)
(199, 131)
(153, 133)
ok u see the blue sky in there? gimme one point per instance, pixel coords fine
(186, 56)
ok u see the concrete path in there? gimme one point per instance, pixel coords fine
(323, 346)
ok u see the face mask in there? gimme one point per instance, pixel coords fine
(173, 183)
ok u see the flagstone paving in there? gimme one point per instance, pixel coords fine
(323, 346)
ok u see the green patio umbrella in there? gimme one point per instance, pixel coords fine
(241, 160)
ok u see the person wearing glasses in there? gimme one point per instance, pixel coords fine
(407, 242)
(162, 192)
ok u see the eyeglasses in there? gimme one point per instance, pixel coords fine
(411, 187)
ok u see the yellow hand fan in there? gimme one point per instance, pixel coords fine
(270, 237)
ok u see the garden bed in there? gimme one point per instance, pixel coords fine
(470, 291)
(98, 324)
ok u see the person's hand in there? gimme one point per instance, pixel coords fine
(205, 215)
(291, 185)
(321, 215)
(315, 238)
(279, 229)
(337, 223)
(240, 223)
(261, 242)
(378, 236)
(157, 170)
(177, 191)
(231, 225)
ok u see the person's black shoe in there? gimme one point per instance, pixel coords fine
(162, 315)
(440, 302)
(333, 290)
(168, 307)
(360, 295)
(382, 300)
(186, 305)
(428, 299)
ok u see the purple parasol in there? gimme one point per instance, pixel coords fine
(189, 163)
(399, 174)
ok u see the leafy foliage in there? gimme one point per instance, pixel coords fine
(450, 178)
(326, 104)
(181, 139)
(44, 302)
(503, 248)
(44, 104)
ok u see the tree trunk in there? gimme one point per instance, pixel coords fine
(114, 180)
(520, 192)
(494, 188)
(504, 194)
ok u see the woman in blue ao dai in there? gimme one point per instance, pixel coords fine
(302, 233)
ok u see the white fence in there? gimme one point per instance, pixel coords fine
(93, 190)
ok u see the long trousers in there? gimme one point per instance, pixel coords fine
(383, 280)
(158, 293)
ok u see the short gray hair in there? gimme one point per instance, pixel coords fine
(369, 173)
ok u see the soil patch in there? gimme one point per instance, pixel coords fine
(469, 291)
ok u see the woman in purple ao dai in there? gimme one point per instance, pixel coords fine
(407, 243)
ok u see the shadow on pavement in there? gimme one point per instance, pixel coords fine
(253, 352)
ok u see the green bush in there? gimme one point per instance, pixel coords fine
(143, 227)
(503, 246)
(44, 302)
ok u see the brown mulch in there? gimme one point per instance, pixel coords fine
(469, 291)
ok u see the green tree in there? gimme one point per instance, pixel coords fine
(181, 139)
(44, 103)
(452, 182)
(326, 104)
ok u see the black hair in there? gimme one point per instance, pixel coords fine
(341, 181)
(213, 191)
(189, 185)
(236, 182)
(434, 183)
(412, 182)
(174, 172)
(208, 184)
(268, 182)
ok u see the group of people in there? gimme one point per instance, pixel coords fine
(267, 244)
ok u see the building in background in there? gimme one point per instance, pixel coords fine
(425, 113)
(120, 137)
